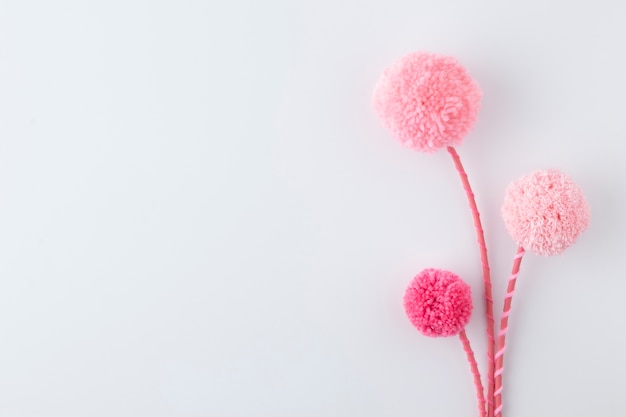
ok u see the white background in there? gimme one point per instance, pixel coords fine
(200, 215)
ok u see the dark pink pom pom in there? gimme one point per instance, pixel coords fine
(438, 303)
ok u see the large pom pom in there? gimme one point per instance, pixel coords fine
(427, 101)
(438, 303)
(545, 212)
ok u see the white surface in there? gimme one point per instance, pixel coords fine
(201, 216)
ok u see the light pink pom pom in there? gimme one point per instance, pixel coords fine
(438, 303)
(427, 101)
(545, 212)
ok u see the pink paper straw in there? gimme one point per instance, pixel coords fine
(504, 328)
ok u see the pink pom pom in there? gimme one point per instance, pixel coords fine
(545, 212)
(427, 101)
(438, 303)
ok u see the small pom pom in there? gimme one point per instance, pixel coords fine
(427, 101)
(545, 212)
(438, 303)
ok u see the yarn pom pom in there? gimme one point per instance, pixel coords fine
(427, 101)
(545, 212)
(438, 303)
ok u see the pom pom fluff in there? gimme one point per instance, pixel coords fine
(545, 212)
(438, 303)
(427, 101)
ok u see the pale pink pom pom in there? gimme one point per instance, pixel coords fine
(545, 212)
(438, 303)
(427, 101)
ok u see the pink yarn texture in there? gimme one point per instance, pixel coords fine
(427, 101)
(438, 303)
(545, 212)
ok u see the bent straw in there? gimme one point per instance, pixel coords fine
(480, 237)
